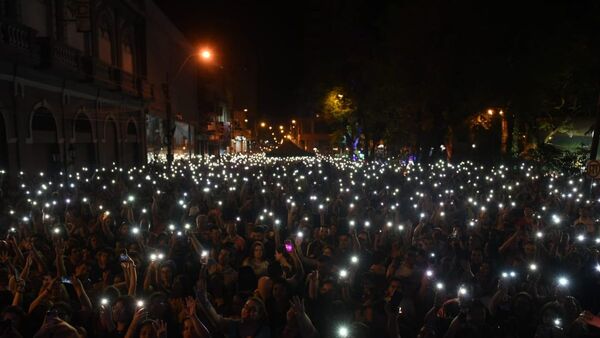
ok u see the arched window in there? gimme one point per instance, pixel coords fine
(127, 54)
(82, 129)
(43, 120)
(105, 41)
(43, 126)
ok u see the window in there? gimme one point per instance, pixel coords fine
(105, 41)
(43, 120)
(73, 37)
(127, 55)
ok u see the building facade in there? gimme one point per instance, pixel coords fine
(312, 134)
(87, 83)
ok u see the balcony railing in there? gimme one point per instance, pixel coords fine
(128, 82)
(58, 55)
(17, 36)
(19, 43)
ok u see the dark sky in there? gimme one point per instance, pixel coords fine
(262, 38)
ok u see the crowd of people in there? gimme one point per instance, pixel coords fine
(250, 246)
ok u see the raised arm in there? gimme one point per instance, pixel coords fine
(222, 323)
(84, 300)
(305, 325)
(59, 250)
(190, 311)
(151, 276)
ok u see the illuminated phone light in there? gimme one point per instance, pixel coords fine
(343, 332)
(563, 281)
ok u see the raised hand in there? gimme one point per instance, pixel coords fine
(47, 285)
(29, 260)
(76, 282)
(106, 319)
(4, 257)
(201, 285)
(190, 306)
(59, 247)
(297, 305)
(20, 285)
(138, 316)
(161, 328)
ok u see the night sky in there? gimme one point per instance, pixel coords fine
(259, 42)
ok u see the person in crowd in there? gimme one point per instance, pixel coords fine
(249, 246)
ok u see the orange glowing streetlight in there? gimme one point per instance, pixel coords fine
(206, 54)
(263, 124)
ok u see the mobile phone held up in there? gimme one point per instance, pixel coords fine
(288, 246)
(396, 299)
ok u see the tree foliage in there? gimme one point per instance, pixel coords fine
(419, 71)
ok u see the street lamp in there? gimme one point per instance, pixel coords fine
(504, 130)
(205, 55)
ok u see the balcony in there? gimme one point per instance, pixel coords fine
(128, 82)
(18, 42)
(57, 55)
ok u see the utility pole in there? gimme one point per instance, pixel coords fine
(169, 133)
(594, 146)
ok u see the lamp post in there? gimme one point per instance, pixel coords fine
(503, 130)
(205, 55)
